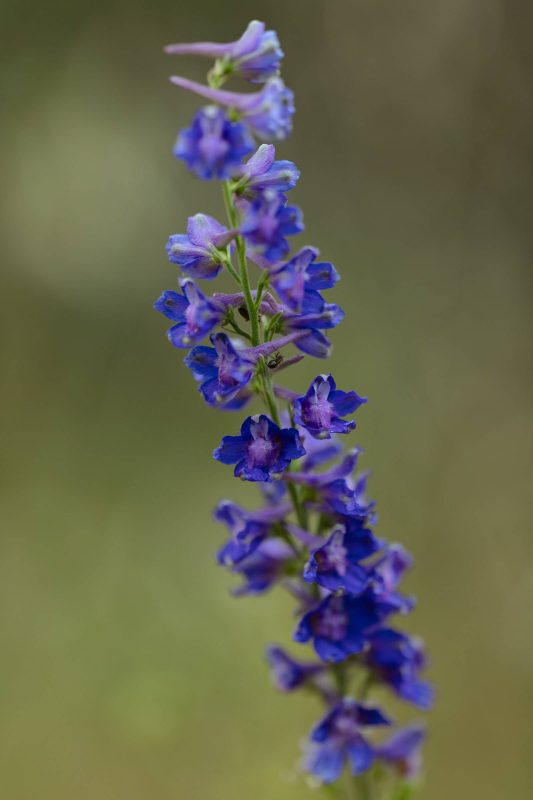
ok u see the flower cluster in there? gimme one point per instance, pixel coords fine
(314, 532)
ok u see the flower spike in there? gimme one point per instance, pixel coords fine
(313, 532)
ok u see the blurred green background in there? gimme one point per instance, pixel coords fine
(128, 671)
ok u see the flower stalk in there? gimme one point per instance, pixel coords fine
(313, 535)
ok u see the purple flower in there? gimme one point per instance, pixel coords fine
(330, 316)
(268, 112)
(397, 660)
(338, 625)
(342, 497)
(347, 498)
(402, 751)
(213, 145)
(387, 573)
(319, 451)
(255, 56)
(262, 451)
(287, 673)
(199, 252)
(299, 281)
(248, 528)
(314, 342)
(222, 370)
(335, 564)
(320, 411)
(273, 493)
(192, 312)
(267, 222)
(338, 738)
(263, 567)
(262, 172)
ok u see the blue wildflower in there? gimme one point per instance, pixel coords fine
(338, 739)
(262, 451)
(330, 316)
(314, 342)
(397, 660)
(299, 281)
(201, 251)
(402, 751)
(319, 451)
(338, 624)
(248, 528)
(255, 56)
(213, 145)
(289, 674)
(321, 409)
(340, 471)
(222, 370)
(273, 493)
(268, 112)
(347, 498)
(262, 172)
(263, 567)
(267, 222)
(335, 564)
(387, 573)
(194, 314)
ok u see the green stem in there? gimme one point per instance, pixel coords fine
(231, 212)
(231, 269)
(364, 787)
(236, 327)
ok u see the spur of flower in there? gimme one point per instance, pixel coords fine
(313, 532)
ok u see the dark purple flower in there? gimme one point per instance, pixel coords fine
(299, 281)
(262, 451)
(267, 112)
(213, 145)
(248, 528)
(347, 498)
(402, 751)
(321, 409)
(330, 316)
(255, 56)
(262, 172)
(287, 673)
(397, 660)
(194, 314)
(314, 342)
(222, 370)
(225, 370)
(267, 222)
(342, 497)
(338, 738)
(322, 480)
(338, 625)
(273, 493)
(335, 564)
(200, 252)
(387, 573)
(263, 567)
(319, 451)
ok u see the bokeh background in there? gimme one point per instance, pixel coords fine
(128, 670)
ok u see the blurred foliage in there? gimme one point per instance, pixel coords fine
(128, 669)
